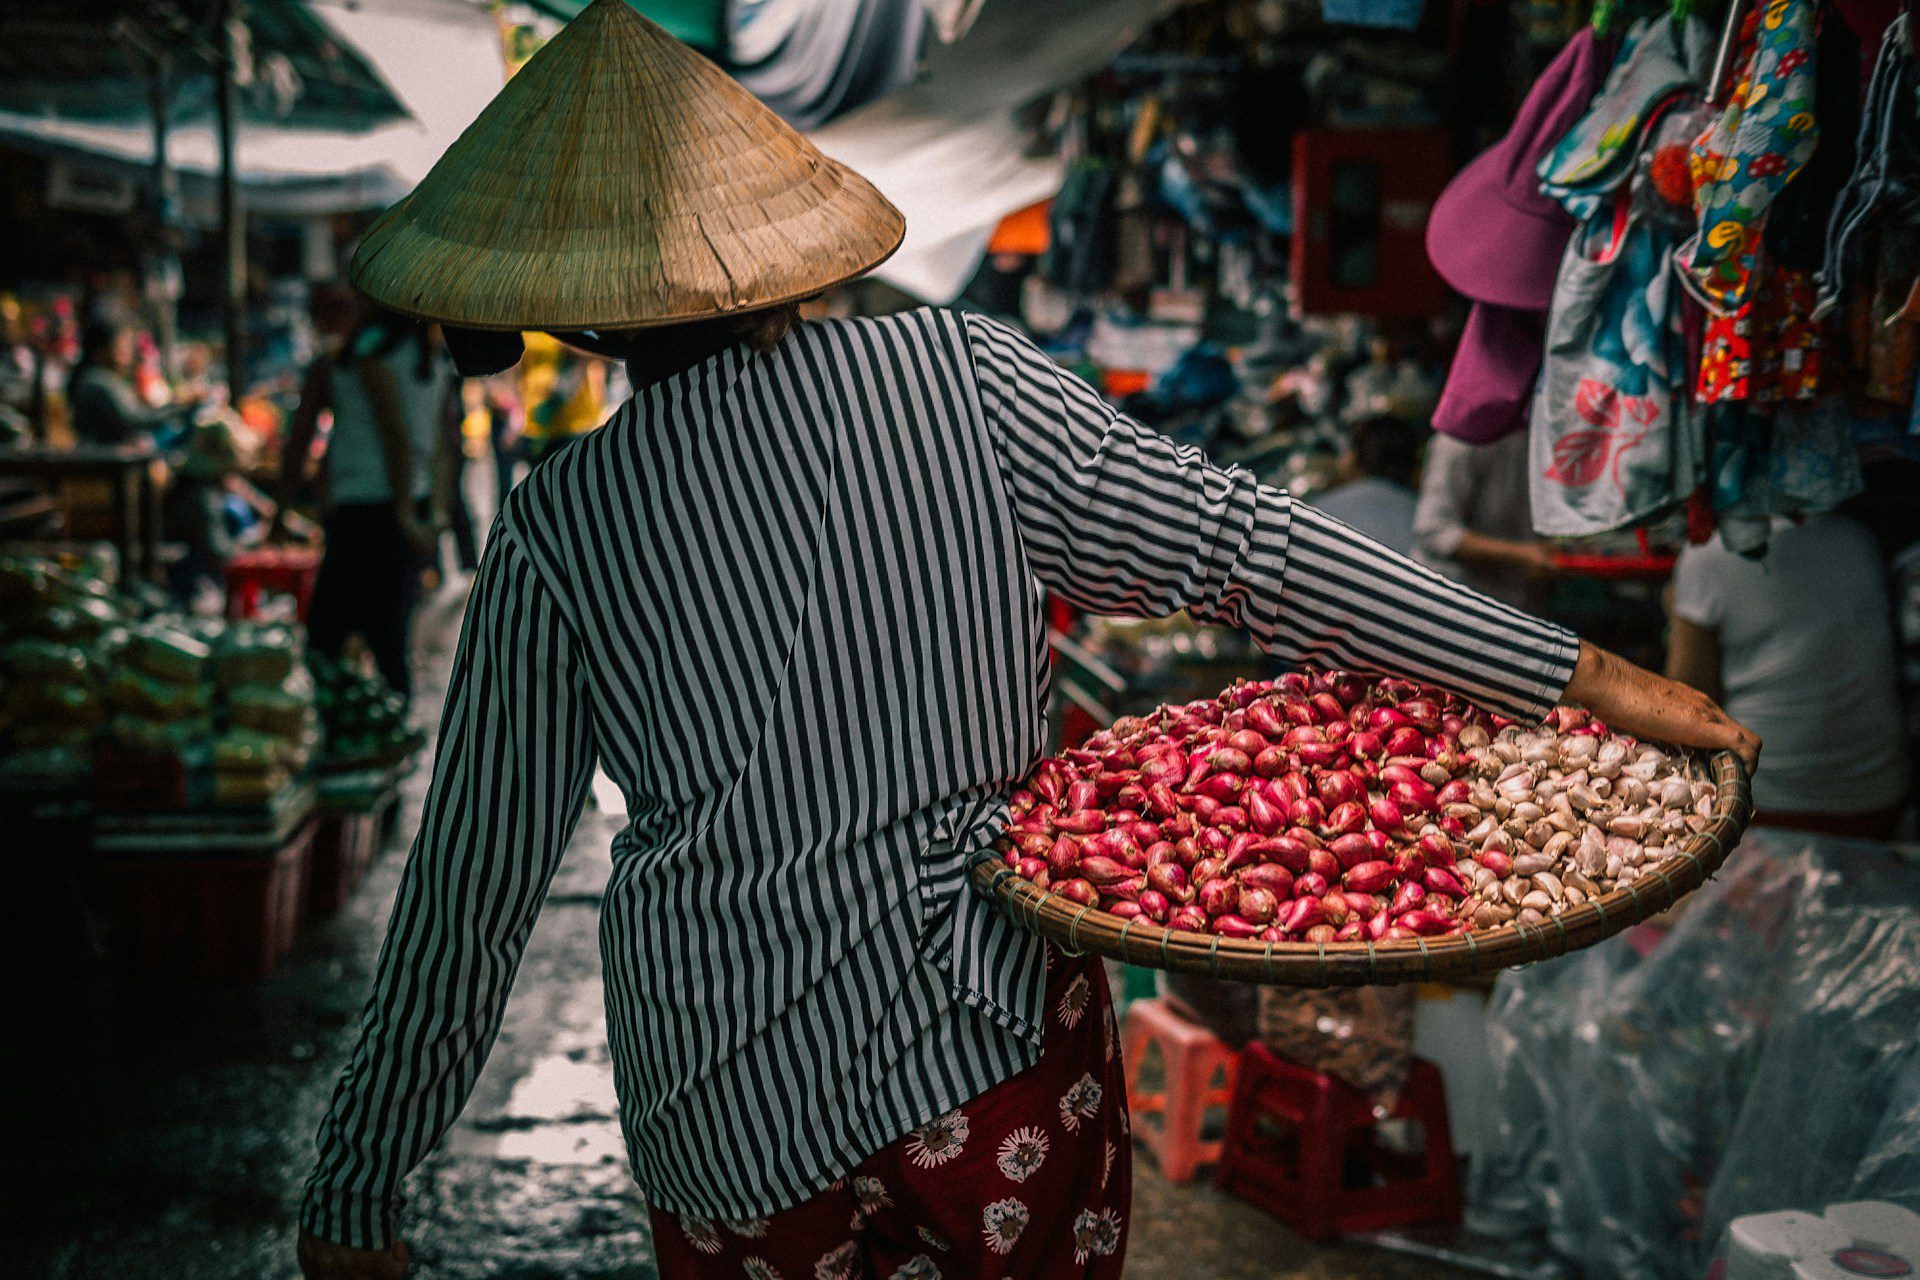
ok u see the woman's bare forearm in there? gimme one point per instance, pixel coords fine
(1635, 700)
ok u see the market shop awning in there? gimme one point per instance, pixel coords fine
(90, 61)
(294, 167)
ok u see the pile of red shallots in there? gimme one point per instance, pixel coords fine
(1327, 807)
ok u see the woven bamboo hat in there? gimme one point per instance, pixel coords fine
(619, 181)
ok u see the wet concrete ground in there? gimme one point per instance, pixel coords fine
(160, 1130)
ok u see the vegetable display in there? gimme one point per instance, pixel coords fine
(1328, 807)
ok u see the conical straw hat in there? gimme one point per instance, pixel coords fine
(621, 180)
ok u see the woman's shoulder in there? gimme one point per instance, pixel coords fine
(913, 327)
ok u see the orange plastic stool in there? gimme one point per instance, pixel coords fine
(1191, 1055)
(1304, 1147)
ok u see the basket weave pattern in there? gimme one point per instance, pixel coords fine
(1080, 928)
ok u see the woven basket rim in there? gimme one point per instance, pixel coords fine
(1080, 929)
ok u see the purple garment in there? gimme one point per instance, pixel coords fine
(1491, 382)
(1492, 235)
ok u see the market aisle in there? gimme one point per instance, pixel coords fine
(169, 1124)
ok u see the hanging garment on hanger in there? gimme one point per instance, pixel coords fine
(1081, 229)
(1764, 135)
(1490, 383)
(1492, 235)
(1884, 191)
(1614, 442)
(1658, 59)
(1795, 460)
(1768, 350)
(1797, 223)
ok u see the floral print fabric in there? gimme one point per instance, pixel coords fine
(1761, 140)
(1025, 1181)
(1768, 350)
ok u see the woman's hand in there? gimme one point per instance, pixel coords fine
(325, 1260)
(1636, 701)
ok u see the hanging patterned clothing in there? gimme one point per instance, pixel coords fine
(1762, 138)
(1768, 350)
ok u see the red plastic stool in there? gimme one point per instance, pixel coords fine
(1304, 1147)
(1191, 1055)
(291, 570)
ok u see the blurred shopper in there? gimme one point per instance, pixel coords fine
(1474, 522)
(1380, 466)
(1799, 647)
(386, 474)
(210, 511)
(23, 376)
(105, 407)
(563, 393)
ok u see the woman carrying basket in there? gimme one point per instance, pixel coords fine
(790, 599)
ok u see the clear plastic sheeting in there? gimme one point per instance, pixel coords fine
(1763, 1055)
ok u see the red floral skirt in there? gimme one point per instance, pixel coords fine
(1031, 1179)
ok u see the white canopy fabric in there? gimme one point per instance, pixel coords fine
(442, 59)
(947, 151)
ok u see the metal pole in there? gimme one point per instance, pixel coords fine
(1717, 81)
(166, 203)
(233, 227)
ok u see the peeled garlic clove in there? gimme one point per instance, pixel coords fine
(1529, 864)
(1631, 825)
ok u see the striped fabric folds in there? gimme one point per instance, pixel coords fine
(791, 603)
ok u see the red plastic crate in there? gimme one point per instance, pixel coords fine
(1302, 1146)
(288, 570)
(343, 849)
(216, 915)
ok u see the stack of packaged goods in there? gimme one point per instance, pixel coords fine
(158, 739)
(267, 702)
(61, 630)
(364, 721)
(162, 713)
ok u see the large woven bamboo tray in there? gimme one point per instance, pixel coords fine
(1080, 928)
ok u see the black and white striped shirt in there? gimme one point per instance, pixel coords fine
(792, 604)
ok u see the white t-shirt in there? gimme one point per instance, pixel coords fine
(356, 467)
(1807, 662)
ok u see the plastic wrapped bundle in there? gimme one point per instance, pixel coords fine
(1761, 1056)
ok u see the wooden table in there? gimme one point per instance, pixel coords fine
(127, 470)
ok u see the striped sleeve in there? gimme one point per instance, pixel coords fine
(511, 773)
(1118, 519)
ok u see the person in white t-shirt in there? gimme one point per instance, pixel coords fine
(1799, 647)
